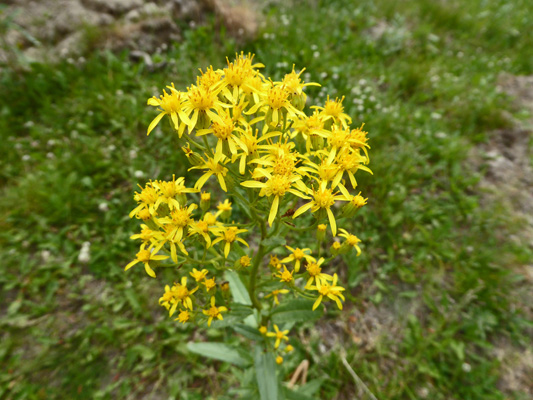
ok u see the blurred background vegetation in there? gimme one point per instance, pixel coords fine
(440, 301)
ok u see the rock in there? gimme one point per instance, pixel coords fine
(115, 7)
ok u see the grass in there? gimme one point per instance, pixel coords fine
(435, 293)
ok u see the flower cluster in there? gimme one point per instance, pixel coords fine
(280, 172)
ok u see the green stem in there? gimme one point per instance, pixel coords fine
(257, 261)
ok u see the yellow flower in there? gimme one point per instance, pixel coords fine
(147, 199)
(224, 209)
(279, 360)
(285, 275)
(279, 335)
(329, 290)
(170, 104)
(209, 284)
(229, 235)
(214, 312)
(145, 256)
(350, 161)
(213, 166)
(245, 261)
(183, 316)
(334, 110)
(275, 293)
(297, 255)
(351, 240)
(198, 275)
(147, 235)
(224, 132)
(180, 219)
(289, 348)
(323, 199)
(276, 186)
(169, 300)
(277, 102)
(263, 330)
(183, 294)
(199, 106)
(169, 191)
(315, 272)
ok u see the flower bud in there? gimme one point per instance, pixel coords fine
(144, 214)
(298, 101)
(205, 201)
(321, 232)
(242, 262)
(279, 360)
(289, 348)
(203, 121)
(335, 248)
(193, 157)
(224, 286)
(349, 209)
(317, 142)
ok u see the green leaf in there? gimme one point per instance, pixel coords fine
(237, 288)
(274, 242)
(145, 352)
(265, 373)
(297, 310)
(235, 315)
(248, 331)
(219, 351)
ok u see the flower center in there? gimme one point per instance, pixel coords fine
(201, 98)
(277, 97)
(181, 292)
(314, 269)
(148, 195)
(144, 255)
(181, 217)
(230, 235)
(279, 184)
(324, 198)
(298, 254)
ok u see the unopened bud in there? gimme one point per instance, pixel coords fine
(321, 232)
(335, 248)
(298, 101)
(353, 206)
(317, 142)
(205, 201)
(193, 157)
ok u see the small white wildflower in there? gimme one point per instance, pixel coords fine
(119, 92)
(29, 124)
(45, 255)
(192, 24)
(51, 143)
(133, 154)
(104, 207)
(90, 113)
(360, 107)
(111, 148)
(324, 75)
(18, 146)
(466, 367)
(34, 144)
(314, 47)
(50, 155)
(335, 76)
(435, 115)
(316, 54)
(85, 253)
(362, 82)
(138, 174)
(74, 134)
(440, 135)
(100, 97)
(423, 392)
(26, 157)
